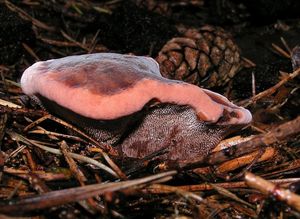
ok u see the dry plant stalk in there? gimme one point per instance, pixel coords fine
(270, 188)
(72, 164)
(65, 196)
(26, 16)
(245, 160)
(47, 176)
(277, 134)
(21, 138)
(280, 133)
(248, 159)
(271, 90)
(157, 189)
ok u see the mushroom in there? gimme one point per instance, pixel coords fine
(124, 101)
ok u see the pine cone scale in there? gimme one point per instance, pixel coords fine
(175, 57)
(216, 55)
(181, 73)
(203, 65)
(191, 56)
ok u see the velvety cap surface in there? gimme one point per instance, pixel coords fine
(108, 86)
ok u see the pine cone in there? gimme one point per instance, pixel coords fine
(205, 57)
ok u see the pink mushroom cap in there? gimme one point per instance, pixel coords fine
(108, 86)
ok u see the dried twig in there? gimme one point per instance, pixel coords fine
(72, 164)
(101, 145)
(47, 176)
(31, 52)
(58, 43)
(271, 90)
(287, 47)
(20, 111)
(21, 138)
(182, 192)
(45, 132)
(238, 162)
(287, 168)
(26, 16)
(14, 191)
(248, 63)
(270, 188)
(30, 160)
(281, 51)
(248, 159)
(65, 196)
(37, 183)
(277, 134)
(9, 104)
(62, 122)
(81, 45)
(157, 189)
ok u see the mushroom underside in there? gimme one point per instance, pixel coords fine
(175, 129)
